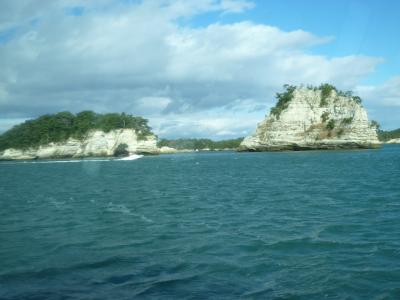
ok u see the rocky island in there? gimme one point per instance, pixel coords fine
(86, 134)
(308, 118)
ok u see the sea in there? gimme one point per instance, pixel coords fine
(215, 225)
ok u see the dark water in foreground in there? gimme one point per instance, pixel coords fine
(305, 225)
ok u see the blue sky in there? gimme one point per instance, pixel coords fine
(194, 68)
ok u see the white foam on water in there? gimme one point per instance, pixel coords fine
(57, 203)
(87, 160)
(144, 218)
(38, 162)
(120, 208)
(56, 161)
(131, 157)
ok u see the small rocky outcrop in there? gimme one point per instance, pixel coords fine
(168, 150)
(314, 118)
(95, 143)
(393, 141)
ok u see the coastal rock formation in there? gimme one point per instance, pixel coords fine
(168, 150)
(393, 141)
(95, 143)
(314, 118)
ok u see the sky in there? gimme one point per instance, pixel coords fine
(194, 68)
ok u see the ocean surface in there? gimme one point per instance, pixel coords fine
(293, 225)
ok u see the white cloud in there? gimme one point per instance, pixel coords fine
(187, 8)
(218, 124)
(383, 101)
(152, 105)
(386, 94)
(137, 58)
(234, 6)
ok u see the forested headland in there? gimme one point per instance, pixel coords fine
(63, 125)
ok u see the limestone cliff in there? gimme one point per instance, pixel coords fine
(313, 118)
(95, 143)
(393, 141)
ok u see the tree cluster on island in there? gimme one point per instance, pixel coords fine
(63, 125)
(200, 144)
(385, 136)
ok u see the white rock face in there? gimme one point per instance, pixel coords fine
(96, 143)
(167, 150)
(306, 124)
(393, 141)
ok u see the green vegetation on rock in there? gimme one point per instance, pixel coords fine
(326, 89)
(347, 121)
(357, 99)
(325, 116)
(330, 125)
(375, 124)
(61, 126)
(200, 144)
(283, 100)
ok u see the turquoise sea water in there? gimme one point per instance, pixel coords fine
(300, 225)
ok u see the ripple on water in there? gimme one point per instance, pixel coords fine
(315, 225)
